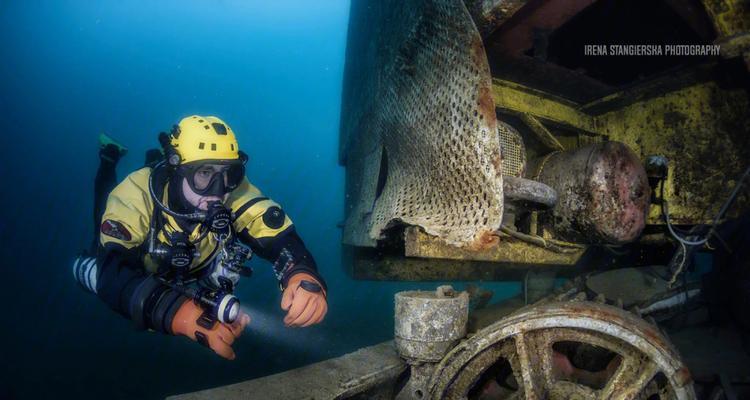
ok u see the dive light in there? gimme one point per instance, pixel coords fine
(222, 306)
(216, 304)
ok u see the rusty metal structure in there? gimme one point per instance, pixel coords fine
(422, 142)
(562, 347)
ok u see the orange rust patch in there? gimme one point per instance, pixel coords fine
(487, 107)
(478, 55)
(497, 162)
(484, 241)
(485, 102)
(683, 377)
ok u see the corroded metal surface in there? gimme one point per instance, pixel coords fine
(514, 150)
(414, 269)
(631, 286)
(523, 347)
(416, 386)
(518, 37)
(498, 249)
(531, 194)
(428, 324)
(603, 193)
(542, 133)
(369, 372)
(419, 135)
(489, 15)
(703, 130)
(514, 98)
(730, 17)
(701, 127)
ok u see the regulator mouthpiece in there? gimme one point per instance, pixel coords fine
(218, 218)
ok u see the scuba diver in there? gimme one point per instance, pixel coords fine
(175, 234)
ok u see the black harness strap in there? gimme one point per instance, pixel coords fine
(247, 205)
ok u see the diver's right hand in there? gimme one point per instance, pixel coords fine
(219, 338)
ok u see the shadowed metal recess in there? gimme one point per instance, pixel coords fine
(419, 118)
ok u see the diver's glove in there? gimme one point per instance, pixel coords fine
(219, 338)
(305, 300)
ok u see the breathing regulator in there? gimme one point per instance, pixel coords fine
(215, 290)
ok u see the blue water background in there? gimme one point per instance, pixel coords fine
(73, 69)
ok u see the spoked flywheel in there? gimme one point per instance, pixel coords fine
(564, 350)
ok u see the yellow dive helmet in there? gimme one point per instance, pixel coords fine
(199, 138)
(198, 142)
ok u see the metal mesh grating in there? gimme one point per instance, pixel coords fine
(418, 87)
(514, 151)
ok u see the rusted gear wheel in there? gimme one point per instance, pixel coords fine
(551, 351)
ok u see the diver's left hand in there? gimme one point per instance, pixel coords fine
(304, 308)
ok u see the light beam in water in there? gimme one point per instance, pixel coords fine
(272, 328)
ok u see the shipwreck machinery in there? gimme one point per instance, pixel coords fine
(603, 193)
(493, 140)
(561, 348)
(480, 141)
(565, 346)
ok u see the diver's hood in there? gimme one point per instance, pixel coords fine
(177, 200)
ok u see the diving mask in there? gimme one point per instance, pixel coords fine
(213, 178)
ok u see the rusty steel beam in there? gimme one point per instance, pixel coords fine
(694, 14)
(409, 269)
(542, 133)
(517, 35)
(516, 99)
(489, 15)
(496, 249)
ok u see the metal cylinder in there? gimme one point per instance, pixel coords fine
(428, 324)
(603, 193)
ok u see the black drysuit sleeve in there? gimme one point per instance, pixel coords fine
(126, 287)
(287, 252)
